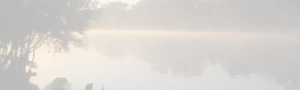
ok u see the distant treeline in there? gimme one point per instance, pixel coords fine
(267, 15)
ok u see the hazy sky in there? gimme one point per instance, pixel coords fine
(127, 1)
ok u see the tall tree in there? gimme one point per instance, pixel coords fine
(28, 24)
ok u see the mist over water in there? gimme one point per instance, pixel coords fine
(149, 45)
(202, 15)
(176, 60)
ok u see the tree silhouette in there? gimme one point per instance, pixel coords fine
(28, 24)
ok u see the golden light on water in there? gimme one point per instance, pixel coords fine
(190, 34)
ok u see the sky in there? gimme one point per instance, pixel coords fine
(127, 1)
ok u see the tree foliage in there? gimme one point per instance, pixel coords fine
(28, 24)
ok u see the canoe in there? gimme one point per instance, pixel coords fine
(60, 83)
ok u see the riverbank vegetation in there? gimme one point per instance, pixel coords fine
(205, 15)
(28, 24)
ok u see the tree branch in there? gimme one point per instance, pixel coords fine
(40, 42)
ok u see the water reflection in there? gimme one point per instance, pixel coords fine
(180, 55)
(272, 55)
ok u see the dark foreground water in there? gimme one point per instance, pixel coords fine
(153, 60)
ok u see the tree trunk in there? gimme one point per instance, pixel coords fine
(5, 58)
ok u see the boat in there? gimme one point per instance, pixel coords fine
(58, 84)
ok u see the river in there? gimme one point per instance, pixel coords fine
(176, 60)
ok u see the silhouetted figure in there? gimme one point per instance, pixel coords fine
(102, 87)
(58, 84)
(89, 86)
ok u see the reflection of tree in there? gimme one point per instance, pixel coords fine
(274, 58)
(183, 57)
(179, 57)
(112, 47)
(271, 56)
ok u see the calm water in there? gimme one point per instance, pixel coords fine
(153, 60)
